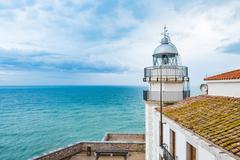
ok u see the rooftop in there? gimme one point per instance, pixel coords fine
(214, 118)
(235, 74)
(131, 156)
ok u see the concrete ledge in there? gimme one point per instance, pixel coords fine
(124, 137)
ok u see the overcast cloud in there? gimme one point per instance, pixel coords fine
(110, 42)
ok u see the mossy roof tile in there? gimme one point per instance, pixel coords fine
(212, 117)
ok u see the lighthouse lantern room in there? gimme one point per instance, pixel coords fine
(168, 71)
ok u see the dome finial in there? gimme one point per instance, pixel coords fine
(165, 34)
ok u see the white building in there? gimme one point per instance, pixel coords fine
(198, 128)
(225, 84)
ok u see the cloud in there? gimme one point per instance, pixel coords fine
(117, 37)
(45, 61)
(232, 48)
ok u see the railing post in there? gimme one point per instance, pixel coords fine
(186, 72)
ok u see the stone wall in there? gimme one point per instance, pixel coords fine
(66, 153)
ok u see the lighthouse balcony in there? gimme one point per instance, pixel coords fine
(166, 74)
(167, 96)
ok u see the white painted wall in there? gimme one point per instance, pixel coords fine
(172, 92)
(180, 148)
(148, 130)
(224, 88)
(205, 151)
(154, 86)
(156, 138)
(203, 154)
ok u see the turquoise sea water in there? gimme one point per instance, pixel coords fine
(34, 120)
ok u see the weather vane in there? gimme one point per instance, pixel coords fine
(165, 31)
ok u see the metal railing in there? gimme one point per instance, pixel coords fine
(166, 154)
(168, 96)
(166, 72)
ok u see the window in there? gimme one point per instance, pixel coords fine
(191, 152)
(172, 143)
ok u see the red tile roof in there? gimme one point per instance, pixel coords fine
(235, 74)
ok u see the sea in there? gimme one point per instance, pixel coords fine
(38, 119)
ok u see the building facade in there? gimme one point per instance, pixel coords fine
(194, 130)
(225, 84)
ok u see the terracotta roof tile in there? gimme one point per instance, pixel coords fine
(225, 76)
(212, 117)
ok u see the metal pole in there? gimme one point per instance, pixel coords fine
(161, 109)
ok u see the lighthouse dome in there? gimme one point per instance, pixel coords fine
(166, 53)
(165, 48)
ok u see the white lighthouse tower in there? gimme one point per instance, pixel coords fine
(168, 83)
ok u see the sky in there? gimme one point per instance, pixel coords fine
(109, 42)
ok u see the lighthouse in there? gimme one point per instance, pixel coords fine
(168, 83)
